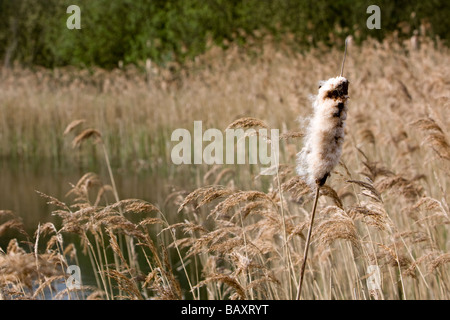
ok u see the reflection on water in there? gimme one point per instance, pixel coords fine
(19, 183)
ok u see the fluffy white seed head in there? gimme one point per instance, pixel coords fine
(325, 132)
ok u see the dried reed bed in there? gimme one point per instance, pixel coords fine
(136, 112)
(235, 234)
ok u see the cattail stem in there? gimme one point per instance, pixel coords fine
(343, 60)
(308, 240)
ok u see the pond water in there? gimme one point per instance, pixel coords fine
(20, 181)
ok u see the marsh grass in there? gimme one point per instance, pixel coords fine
(234, 234)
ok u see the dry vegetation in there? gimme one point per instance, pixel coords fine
(235, 234)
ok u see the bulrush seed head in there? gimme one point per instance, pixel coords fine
(325, 133)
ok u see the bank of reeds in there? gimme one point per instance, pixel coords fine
(382, 222)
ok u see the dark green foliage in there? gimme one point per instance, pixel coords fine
(34, 32)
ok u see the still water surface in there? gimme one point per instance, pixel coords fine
(20, 181)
